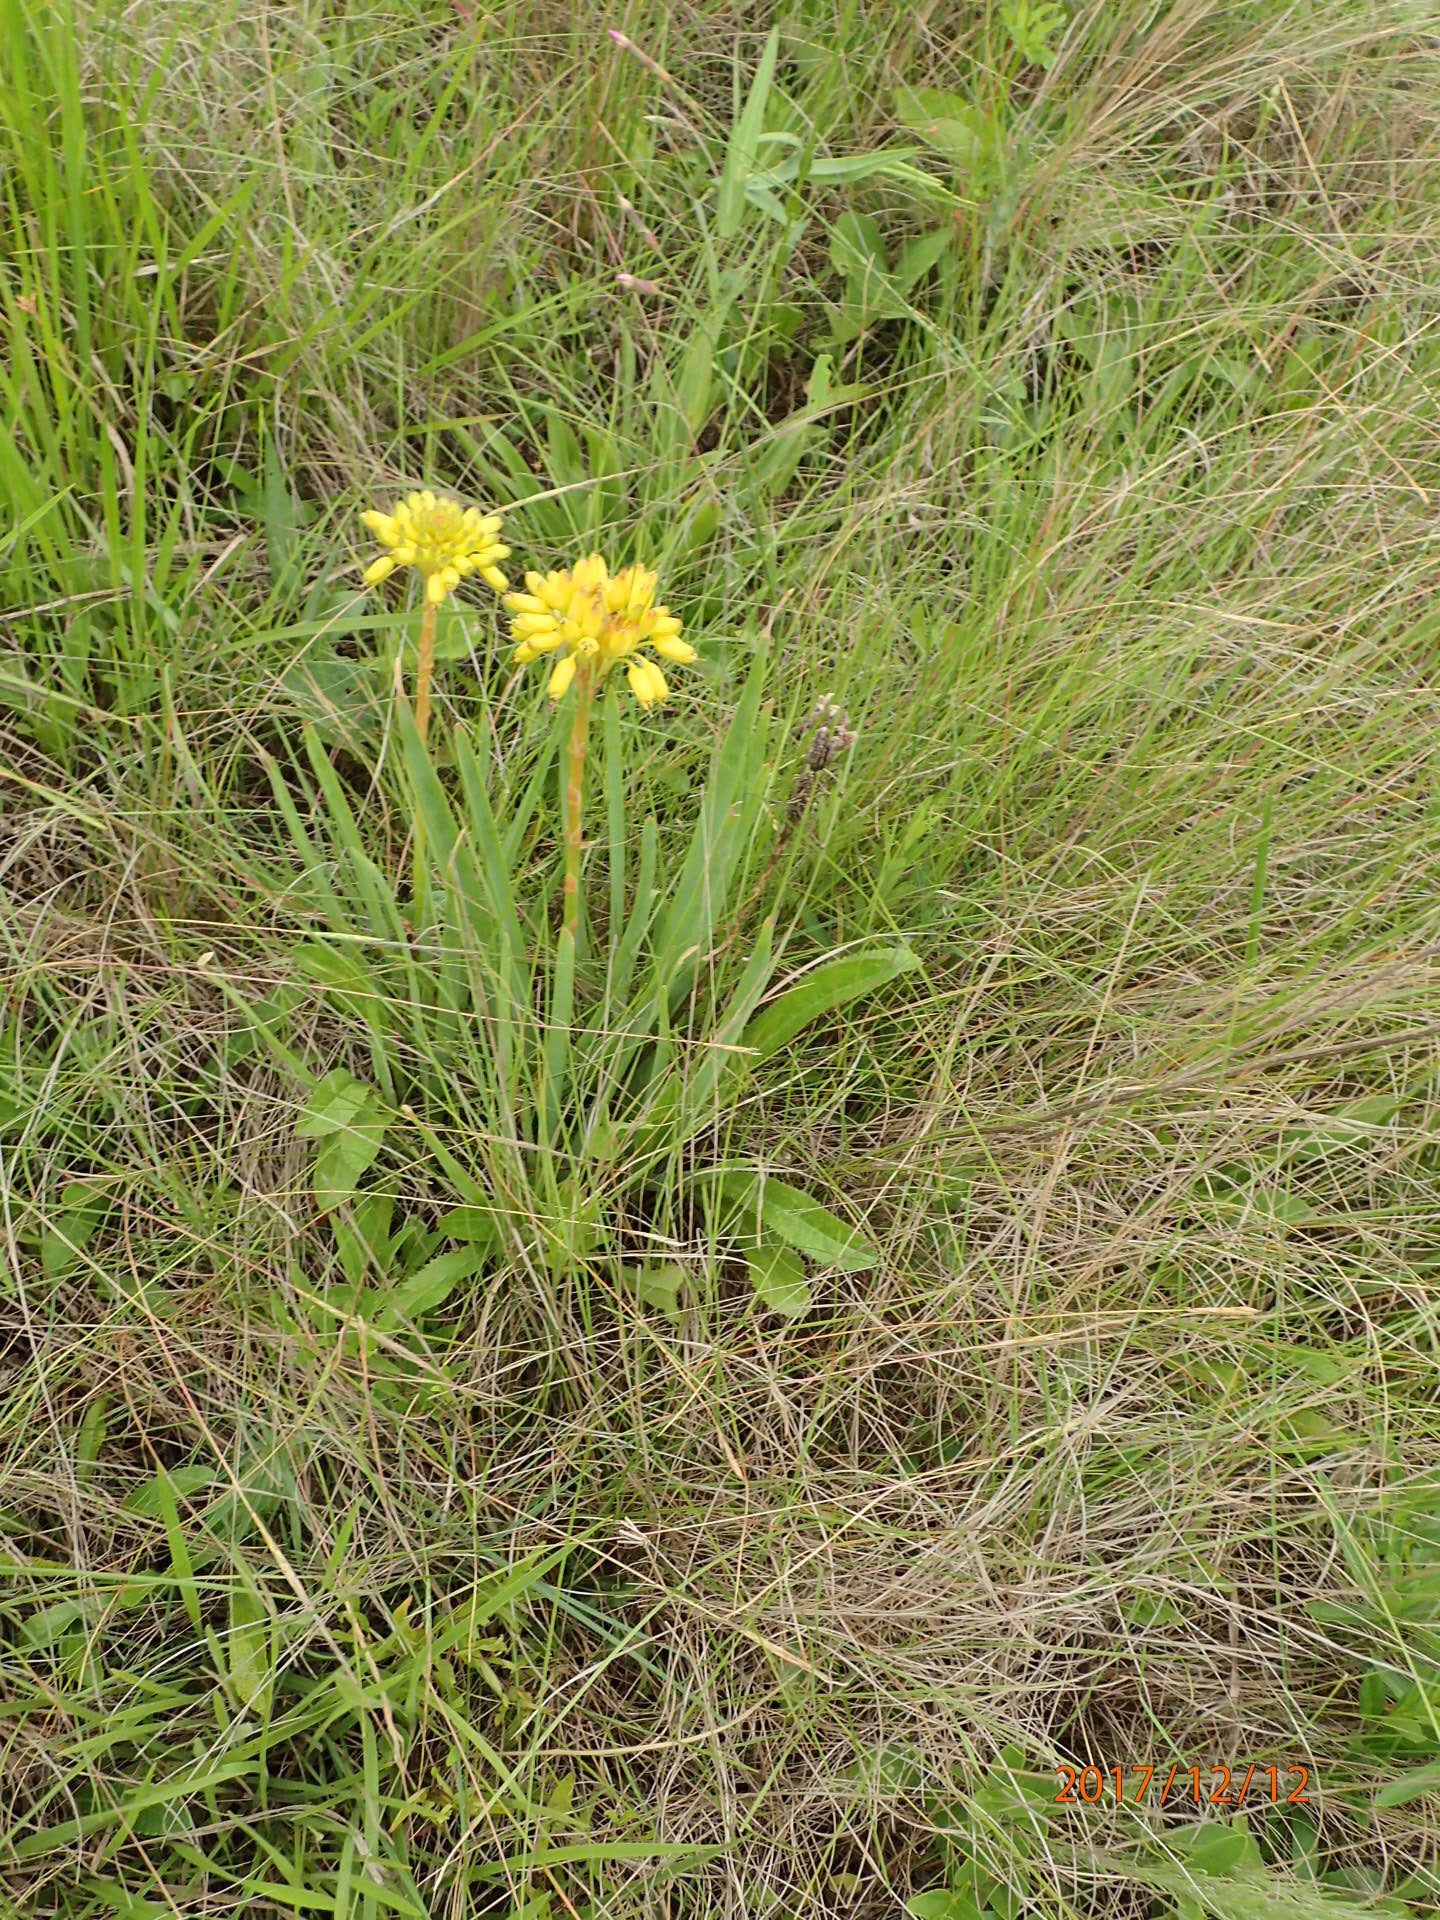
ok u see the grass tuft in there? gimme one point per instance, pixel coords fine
(428, 1486)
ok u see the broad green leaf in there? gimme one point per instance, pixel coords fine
(52, 1623)
(331, 968)
(760, 196)
(744, 143)
(353, 991)
(788, 1213)
(846, 170)
(940, 1904)
(433, 810)
(892, 163)
(477, 1226)
(1308, 1431)
(1374, 1696)
(462, 1180)
(1359, 1124)
(247, 1646)
(948, 121)
(660, 1287)
(694, 381)
(1215, 1846)
(572, 1225)
(1326, 1369)
(825, 989)
(920, 256)
(431, 1287)
(363, 1240)
(1411, 1786)
(1032, 25)
(566, 461)
(71, 1228)
(857, 246)
(333, 1105)
(150, 1496)
(778, 1277)
(1261, 1206)
(608, 492)
(698, 529)
(857, 250)
(350, 1134)
(90, 1438)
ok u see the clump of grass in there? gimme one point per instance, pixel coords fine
(402, 1513)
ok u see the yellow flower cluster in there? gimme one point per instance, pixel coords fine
(440, 538)
(599, 618)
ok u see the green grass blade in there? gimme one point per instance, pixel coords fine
(743, 147)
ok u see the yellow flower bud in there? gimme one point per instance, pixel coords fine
(562, 676)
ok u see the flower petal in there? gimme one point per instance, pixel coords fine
(562, 676)
(642, 591)
(669, 647)
(379, 570)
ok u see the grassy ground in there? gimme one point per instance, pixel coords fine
(1075, 427)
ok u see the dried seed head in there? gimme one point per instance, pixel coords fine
(830, 735)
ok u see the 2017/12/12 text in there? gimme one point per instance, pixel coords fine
(1225, 1786)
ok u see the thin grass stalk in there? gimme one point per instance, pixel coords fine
(575, 794)
(425, 667)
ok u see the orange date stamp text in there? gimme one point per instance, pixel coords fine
(1185, 1786)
